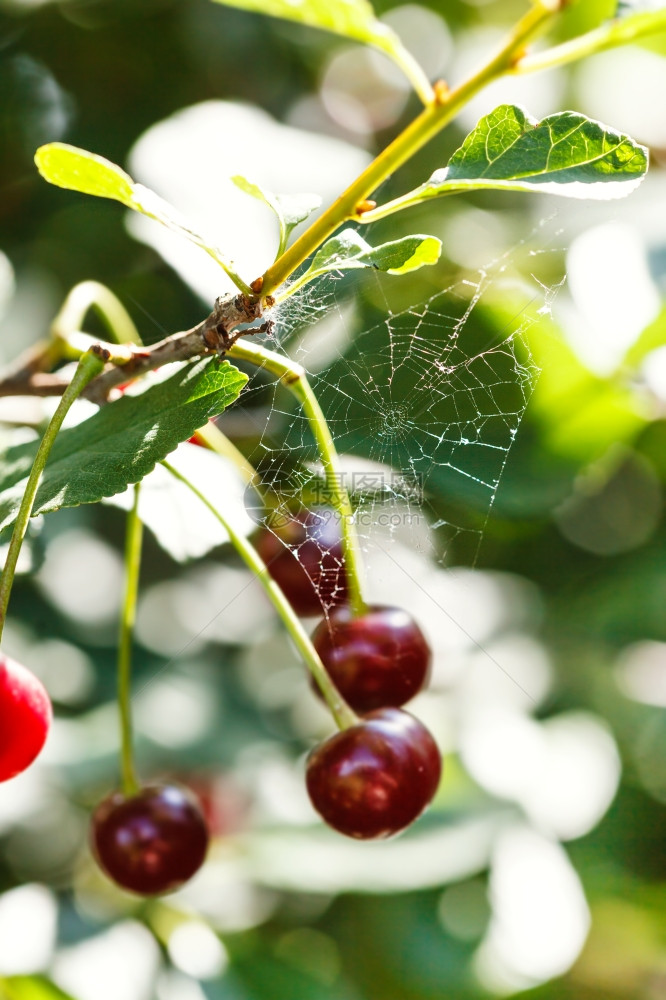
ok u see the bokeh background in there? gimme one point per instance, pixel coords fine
(540, 871)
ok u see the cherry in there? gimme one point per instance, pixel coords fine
(376, 660)
(375, 778)
(151, 842)
(304, 556)
(25, 718)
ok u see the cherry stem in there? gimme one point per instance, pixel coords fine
(90, 365)
(133, 542)
(93, 295)
(293, 376)
(340, 710)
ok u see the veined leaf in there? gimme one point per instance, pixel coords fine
(565, 154)
(122, 442)
(78, 170)
(352, 18)
(291, 209)
(348, 251)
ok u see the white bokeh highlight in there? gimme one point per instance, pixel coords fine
(540, 918)
(82, 577)
(181, 523)
(641, 672)
(189, 158)
(563, 772)
(95, 970)
(620, 86)
(614, 296)
(196, 950)
(28, 924)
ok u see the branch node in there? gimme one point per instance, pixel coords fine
(441, 90)
(364, 206)
(101, 352)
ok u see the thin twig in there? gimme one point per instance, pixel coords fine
(215, 335)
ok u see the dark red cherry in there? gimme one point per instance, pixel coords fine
(304, 556)
(151, 842)
(376, 660)
(375, 778)
(25, 717)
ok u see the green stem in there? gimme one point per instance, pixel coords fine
(431, 121)
(228, 269)
(133, 540)
(93, 295)
(77, 343)
(339, 496)
(415, 197)
(90, 365)
(294, 378)
(342, 713)
(617, 32)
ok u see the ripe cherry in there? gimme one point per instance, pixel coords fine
(151, 842)
(375, 778)
(25, 718)
(304, 556)
(376, 660)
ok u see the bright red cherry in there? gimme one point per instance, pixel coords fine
(376, 660)
(25, 718)
(151, 842)
(375, 778)
(304, 556)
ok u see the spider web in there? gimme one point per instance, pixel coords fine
(423, 407)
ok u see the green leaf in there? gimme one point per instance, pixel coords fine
(122, 442)
(78, 170)
(565, 154)
(30, 988)
(348, 251)
(352, 18)
(291, 209)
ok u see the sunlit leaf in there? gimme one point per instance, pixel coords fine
(78, 170)
(122, 442)
(564, 154)
(348, 251)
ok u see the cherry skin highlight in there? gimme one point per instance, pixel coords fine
(304, 557)
(152, 842)
(375, 778)
(25, 717)
(378, 659)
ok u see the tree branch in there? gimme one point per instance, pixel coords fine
(215, 335)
